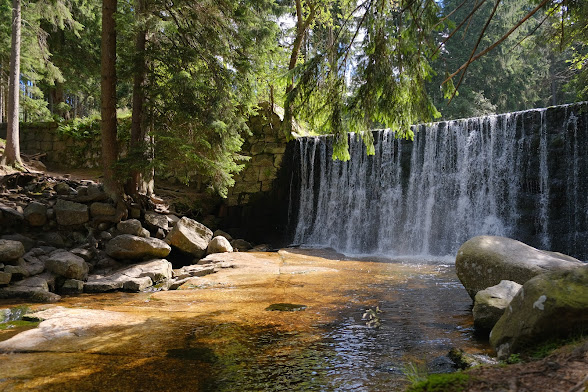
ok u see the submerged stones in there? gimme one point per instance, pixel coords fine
(285, 307)
(484, 261)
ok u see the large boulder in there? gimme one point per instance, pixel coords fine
(190, 236)
(550, 305)
(486, 260)
(66, 264)
(127, 246)
(70, 213)
(490, 303)
(11, 251)
(219, 244)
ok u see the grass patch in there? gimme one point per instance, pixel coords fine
(452, 382)
(546, 348)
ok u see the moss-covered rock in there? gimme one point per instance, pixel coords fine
(484, 261)
(550, 305)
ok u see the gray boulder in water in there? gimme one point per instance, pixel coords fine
(484, 261)
(548, 306)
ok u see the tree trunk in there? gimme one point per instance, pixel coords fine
(12, 151)
(108, 97)
(140, 142)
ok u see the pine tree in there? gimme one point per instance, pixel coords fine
(11, 154)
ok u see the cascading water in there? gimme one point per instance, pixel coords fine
(520, 175)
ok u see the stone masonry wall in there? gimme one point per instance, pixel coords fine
(61, 151)
(266, 147)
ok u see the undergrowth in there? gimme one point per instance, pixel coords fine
(451, 382)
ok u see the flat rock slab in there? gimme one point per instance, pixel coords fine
(137, 277)
(63, 323)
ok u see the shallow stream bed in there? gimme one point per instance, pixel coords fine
(220, 333)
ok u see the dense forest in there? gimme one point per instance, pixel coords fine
(181, 78)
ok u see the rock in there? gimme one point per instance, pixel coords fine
(10, 217)
(68, 265)
(219, 244)
(85, 254)
(190, 271)
(102, 284)
(548, 306)
(158, 270)
(190, 236)
(71, 213)
(102, 209)
(218, 233)
(261, 248)
(53, 239)
(11, 251)
(155, 221)
(18, 272)
(72, 286)
(160, 234)
(27, 242)
(133, 227)
(34, 266)
(5, 278)
(62, 188)
(464, 360)
(136, 277)
(241, 245)
(486, 260)
(172, 220)
(127, 246)
(34, 289)
(66, 323)
(137, 284)
(490, 303)
(36, 214)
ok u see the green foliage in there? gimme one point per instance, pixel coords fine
(356, 82)
(514, 358)
(452, 382)
(527, 70)
(80, 128)
(415, 372)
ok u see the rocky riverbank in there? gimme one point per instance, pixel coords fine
(63, 236)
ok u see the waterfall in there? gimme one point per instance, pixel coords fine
(520, 175)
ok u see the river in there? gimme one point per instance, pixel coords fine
(363, 325)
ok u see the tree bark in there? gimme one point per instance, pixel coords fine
(108, 96)
(12, 150)
(138, 183)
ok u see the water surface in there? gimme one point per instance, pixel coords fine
(217, 335)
